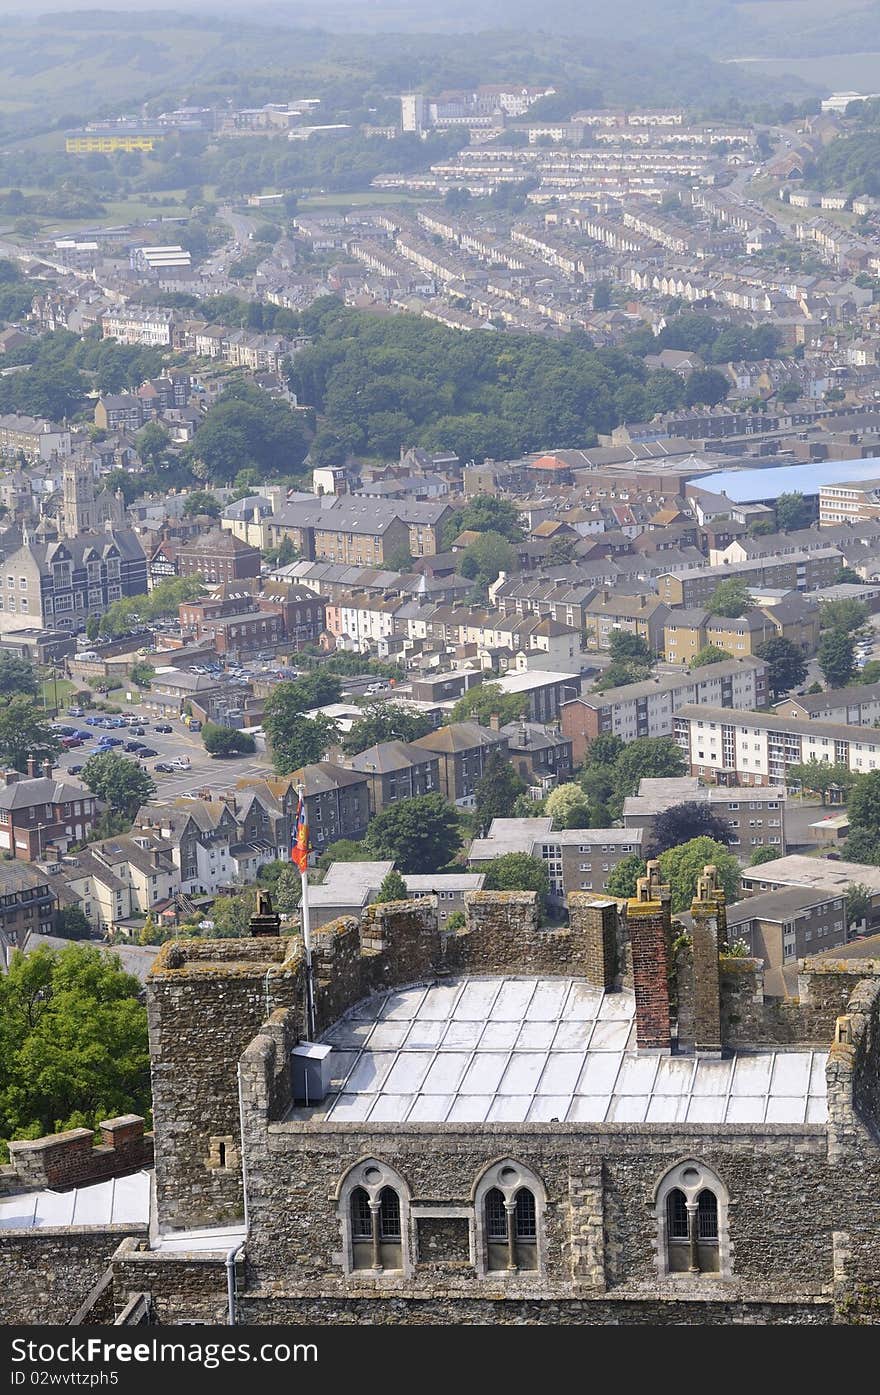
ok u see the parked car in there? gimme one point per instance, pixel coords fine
(67, 731)
(74, 769)
(85, 735)
(162, 767)
(163, 728)
(68, 742)
(94, 721)
(146, 751)
(132, 746)
(75, 712)
(180, 763)
(111, 740)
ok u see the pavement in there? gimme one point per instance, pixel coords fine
(213, 774)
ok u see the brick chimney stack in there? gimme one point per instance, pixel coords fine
(709, 915)
(650, 934)
(32, 767)
(47, 768)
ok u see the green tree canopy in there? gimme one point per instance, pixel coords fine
(518, 872)
(647, 756)
(202, 501)
(343, 850)
(730, 598)
(305, 741)
(709, 654)
(73, 1042)
(793, 512)
(485, 557)
(227, 741)
(762, 855)
(393, 888)
(496, 791)
(72, 923)
(686, 821)
(680, 867)
(621, 880)
(122, 783)
(245, 429)
(847, 614)
(859, 902)
(484, 701)
(786, 666)
(836, 657)
(604, 749)
(163, 600)
(232, 914)
(863, 806)
(420, 835)
(568, 806)
(820, 776)
(17, 676)
(24, 731)
(384, 721)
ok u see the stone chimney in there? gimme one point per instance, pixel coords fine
(265, 921)
(709, 914)
(11, 777)
(32, 767)
(650, 934)
(494, 721)
(47, 768)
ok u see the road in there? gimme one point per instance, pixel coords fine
(212, 774)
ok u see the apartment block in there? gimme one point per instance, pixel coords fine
(804, 571)
(753, 748)
(853, 707)
(755, 817)
(608, 613)
(577, 859)
(648, 708)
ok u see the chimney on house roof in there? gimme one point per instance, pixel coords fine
(650, 934)
(11, 776)
(47, 768)
(32, 767)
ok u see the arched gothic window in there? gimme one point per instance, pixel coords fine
(509, 1205)
(374, 1210)
(691, 1212)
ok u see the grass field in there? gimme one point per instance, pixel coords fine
(57, 692)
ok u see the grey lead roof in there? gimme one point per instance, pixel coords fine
(517, 1050)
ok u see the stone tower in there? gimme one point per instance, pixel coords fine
(85, 508)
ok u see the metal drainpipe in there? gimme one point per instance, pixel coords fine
(231, 1257)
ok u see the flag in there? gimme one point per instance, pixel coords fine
(299, 842)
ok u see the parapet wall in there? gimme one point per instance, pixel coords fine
(64, 1160)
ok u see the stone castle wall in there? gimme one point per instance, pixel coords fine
(48, 1274)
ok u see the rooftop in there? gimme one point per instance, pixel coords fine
(122, 1201)
(819, 873)
(753, 486)
(531, 1050)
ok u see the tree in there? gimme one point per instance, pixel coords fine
(567, 806)
(870, 673)
(863, 845)
(420, 835)
(602, 295)
(762, 855)
(648, 756)
(120, 782)
(487, 700)
(153, 443)
(859, 903)
(848, 615)
(618, 675)
(864, 805)
(604, 749)
(202, 502)
(288, 889)
(684, 822)
(621, 880)
(486, 556)
(836, 658)
(485, 514)
(71, 923)
(680, 868)
(847, 577)
(384, 721)
(820, 776)
(496, 791)
(93, 627)
(24, 731)
(730, 598)
(518, 872)
(17, 676)
(343, 850)
(73, 1042)
(624, 647)
(393, 888)
(710, 654)
(786, 666)
(142, 673)
(227, 741)
(232, 914)
(706, 387)
(305, 741)
(793, 512)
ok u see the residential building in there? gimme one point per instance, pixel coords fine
(33, 437)
(397, 770)
(648, 708)
(28, 902)
(852, 707)
(58, 585)
(830, 877)
(751, 748)
(609, 613)
(220, 842)
(39, 812)
(577, 859)
(121, 412)
(783, 926)
(755, 817)
(543, 693)
(541, 755)
(804, 571)
(218, 556)
(462, 749)
(121, 880)
(337, 801)
(794, 618)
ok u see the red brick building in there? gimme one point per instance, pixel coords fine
(217, 557)
(39, 811)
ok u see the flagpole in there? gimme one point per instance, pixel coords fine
(307, 938)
